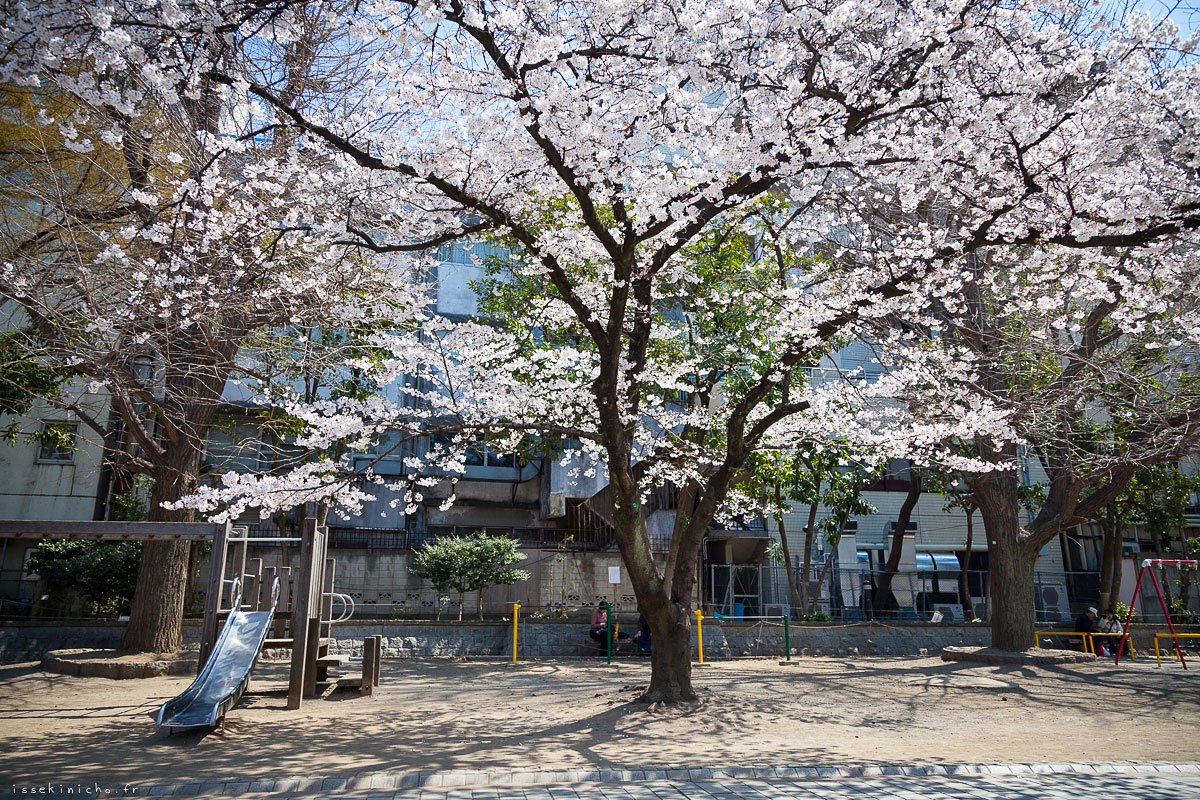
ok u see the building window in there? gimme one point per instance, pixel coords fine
(56, 442)
(476, 455)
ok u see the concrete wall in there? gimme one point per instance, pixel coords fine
(380, 582)
(563, 638)
(34, 489)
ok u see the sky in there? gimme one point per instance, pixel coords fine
(1186, 13)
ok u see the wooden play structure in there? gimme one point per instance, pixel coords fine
(300, 598)
(303, 614)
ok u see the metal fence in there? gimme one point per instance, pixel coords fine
(740, 590)
(848, 594)
(17, 593)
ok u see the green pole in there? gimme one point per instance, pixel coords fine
(787, 639)
(608, 620)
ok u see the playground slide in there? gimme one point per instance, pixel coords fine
(226, 673)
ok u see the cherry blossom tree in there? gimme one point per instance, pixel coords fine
(608, 141)
(161, 247)
(1098, 372)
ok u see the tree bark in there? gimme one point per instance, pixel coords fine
(1011, 562)
(156, 618)
(883, 586)
(1118, 563)
(1109, 564)
(1164, 584)
(806, 559)
(827, 567)
(797, 603)
(671, 656)
(964, 583)
(665, 599)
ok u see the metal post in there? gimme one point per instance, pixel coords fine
(787, 639)
(700, 635)
(609, 628)
(1132, 602)
(1170, 625)
(516, 610)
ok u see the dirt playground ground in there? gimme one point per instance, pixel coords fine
(455, 715)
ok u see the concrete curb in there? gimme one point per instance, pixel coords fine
(385, 782)
(994, 657)
(92, 664)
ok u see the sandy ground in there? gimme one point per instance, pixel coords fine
(447, 715)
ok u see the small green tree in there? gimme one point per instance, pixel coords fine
(492, 565)
(469, 564)
(828, 474)
(443, 563)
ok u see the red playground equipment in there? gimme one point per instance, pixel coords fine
(1182, 563)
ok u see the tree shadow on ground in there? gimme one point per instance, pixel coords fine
(471, 715)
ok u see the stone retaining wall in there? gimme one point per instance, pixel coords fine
(28, 641)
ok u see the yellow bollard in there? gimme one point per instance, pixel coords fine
(516, 608)
(700, 635)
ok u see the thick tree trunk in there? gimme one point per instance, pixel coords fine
(189, 596)
(670, 656)
(156, 618)
(1010, 561)
(883, 585)
(964, 583)
(664, 597)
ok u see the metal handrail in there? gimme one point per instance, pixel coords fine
(347, 606)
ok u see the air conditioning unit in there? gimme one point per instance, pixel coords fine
(1051, 603)
(774, 609)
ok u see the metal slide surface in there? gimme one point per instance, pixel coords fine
(226, 673)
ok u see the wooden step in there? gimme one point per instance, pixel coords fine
(333, 660)
(350, 682)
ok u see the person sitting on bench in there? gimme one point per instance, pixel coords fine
(642, 637)
(1110, 624)
(600, 625)
(1086, 623)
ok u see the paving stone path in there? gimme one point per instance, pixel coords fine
(911, 782)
